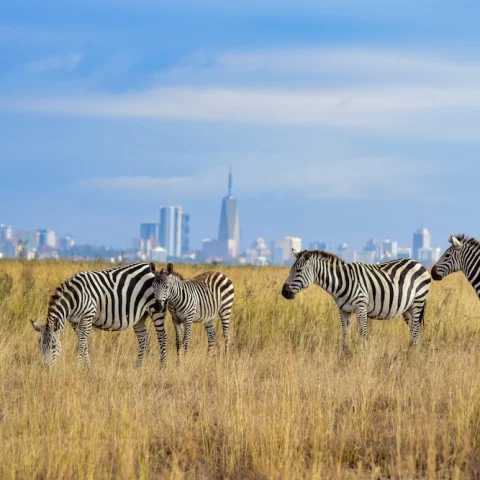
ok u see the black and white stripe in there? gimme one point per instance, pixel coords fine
(462, 256)
(377, 291)
(114, 299)
(199, 299)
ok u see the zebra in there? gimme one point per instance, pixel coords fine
(379, 291)
(463, 255)
(198, 299)
(113, 299)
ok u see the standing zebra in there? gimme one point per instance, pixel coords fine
(376, 291)
(463, 255)
(112, 299)
(198, 299)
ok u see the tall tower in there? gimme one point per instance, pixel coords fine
(421, 239)
(171, 230)
(229, 230)
(185, 233)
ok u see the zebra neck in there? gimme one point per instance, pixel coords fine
(56, 320)
(327, 275)
(470, 266)
(176, 292)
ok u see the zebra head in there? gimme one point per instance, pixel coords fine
(450, 261)
(162, 283)
(49, 342)
(300, 276)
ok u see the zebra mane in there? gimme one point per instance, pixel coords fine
(462, 237)
(52, 303)
(322, 254)
(178, 275)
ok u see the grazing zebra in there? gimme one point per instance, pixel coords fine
(376, 291)
(463, 255)
(112, 299)
(198, 299)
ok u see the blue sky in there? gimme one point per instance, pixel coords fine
(342, 121)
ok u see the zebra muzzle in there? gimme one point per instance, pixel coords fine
(435, 274)
(287, 293)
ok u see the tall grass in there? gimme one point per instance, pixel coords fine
(286, 404)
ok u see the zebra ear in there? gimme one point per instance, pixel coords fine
(455, 242)
(170, 268)
(296, 254)
(152, 267)
(36, 325)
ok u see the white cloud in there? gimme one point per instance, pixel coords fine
(54, 63)
(380, 91)
(396, 110)
(315, 66)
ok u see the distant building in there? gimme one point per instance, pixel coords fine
(367, 256)
(277, 253)
(370, 246)
(66, 243)
(229, 229)
(348, 255)
(319, 246)
(211, 250)
(171, 230)
(158, 254)
(404, 253)
(5, 234)
(421, 239)
(429, 256)
(29, 237)
(185, 233)
(258, 254)
(46, 238)
(149, 230)
(386, 250)
(288, 244)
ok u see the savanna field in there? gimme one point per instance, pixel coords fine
(285, 404)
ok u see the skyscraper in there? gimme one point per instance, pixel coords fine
(5, 233)
(421, 239)
(185, 233)
(149, 231)
(288, 244)
(46, 238)
(171, 230)
(229, 231)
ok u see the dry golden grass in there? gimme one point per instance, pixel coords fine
(286, 404)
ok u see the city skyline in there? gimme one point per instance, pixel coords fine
(153, 244)
(169, 240)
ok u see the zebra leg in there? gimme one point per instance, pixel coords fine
(188, 330)
(407, 316)
(362, 322)
(83, 331)
(179, 337)
(416, 312)
(158, 319)
(211, 337)
(142, 337)
(345, 319)
(225, 318)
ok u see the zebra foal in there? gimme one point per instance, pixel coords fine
(114, 299)
(379, 291)
(199, 299)
(463, 255)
